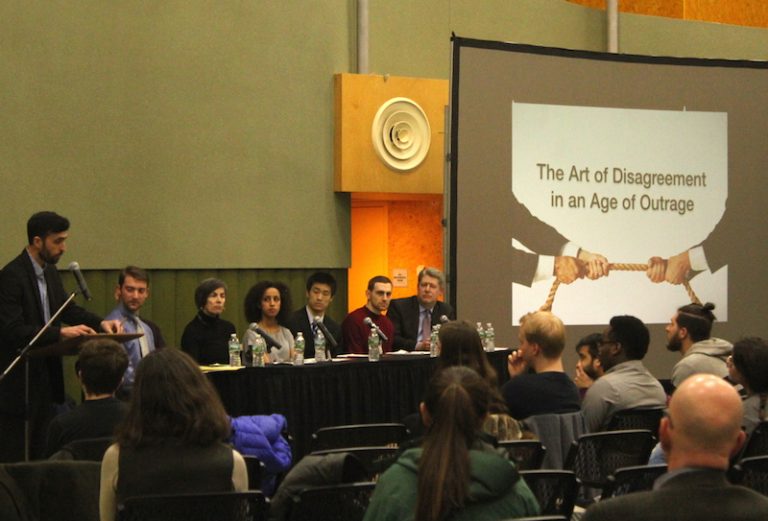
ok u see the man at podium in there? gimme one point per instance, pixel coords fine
(30, 293)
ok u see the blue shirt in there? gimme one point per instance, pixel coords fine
(132, 347)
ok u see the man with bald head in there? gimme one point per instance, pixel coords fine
(700, 434)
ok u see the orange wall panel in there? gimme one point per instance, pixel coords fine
(753, 13)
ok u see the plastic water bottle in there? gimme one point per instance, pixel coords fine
(320, 347)
(298, 349)
(259, 348)
(481, 334)
(490, 337)
(374, 346)
(433, 341)
(234, 351)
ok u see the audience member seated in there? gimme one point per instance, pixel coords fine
(206, 337)
(460, 345)
(355, 331)
(626, 384)
(172, 439)
(262, 436)
(321, 288)
(454, 475)
(748, 366)
(538, 383)
(689, 332)
(268, 306)
(131, 293)
(413, 317)
(100, 368)
(588, 368)
(700, 435)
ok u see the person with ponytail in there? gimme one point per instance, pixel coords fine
(748, 366)
(454, 475)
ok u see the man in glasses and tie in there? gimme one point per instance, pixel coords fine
(413, 317)
(131, 293)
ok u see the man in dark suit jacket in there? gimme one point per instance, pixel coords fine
(701, 433)
(321, 288)
(23, 312)
(409, 314)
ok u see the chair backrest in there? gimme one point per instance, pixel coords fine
(632, 479)
(555, 490)
(346, 502)
(374, 461)
(361, 435)
(594, 457)
(255, 468)
(229, 506)
(557, 432)
(631, 419)
(527, 454)
(91, 449)
(757, 443)
(753, 473)
(539, 518)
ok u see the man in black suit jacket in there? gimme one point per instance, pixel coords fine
(321, 288)
(23, 312)
(701, 433)
(409, 314)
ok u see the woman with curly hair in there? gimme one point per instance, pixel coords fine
(268, 306)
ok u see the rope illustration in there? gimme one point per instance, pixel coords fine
(614, 267)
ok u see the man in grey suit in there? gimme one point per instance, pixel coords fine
(701, 433)
(413, 317)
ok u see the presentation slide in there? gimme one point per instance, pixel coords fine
(626, 184)
(565, 161)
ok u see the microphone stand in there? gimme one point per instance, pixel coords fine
(21, 355)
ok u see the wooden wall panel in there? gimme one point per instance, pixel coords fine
(752, 13)
(357, 167)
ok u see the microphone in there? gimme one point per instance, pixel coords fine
(74, 267)
(271, 342)
(327, 334)
(370, 323)
(444, 319)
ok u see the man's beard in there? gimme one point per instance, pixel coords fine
(48, 258)
(675, 344)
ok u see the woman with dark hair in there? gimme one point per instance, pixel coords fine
(455, 475)
(172, 438)
(459, 344)
(268, 305)
(748, 365)
(206, 337)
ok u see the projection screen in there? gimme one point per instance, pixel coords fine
(559, 155)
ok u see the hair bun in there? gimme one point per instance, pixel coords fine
(709, 306)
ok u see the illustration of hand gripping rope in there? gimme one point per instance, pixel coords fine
(547, 306)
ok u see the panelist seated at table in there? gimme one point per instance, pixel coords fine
(413, 317)
(268, 305)
(321, 288)
(206, 337)
(355, 331)
(173, 438)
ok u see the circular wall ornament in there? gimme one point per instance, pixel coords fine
(401, 134)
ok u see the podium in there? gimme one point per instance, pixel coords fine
(71, 346)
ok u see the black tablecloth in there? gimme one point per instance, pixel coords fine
(337, 393)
